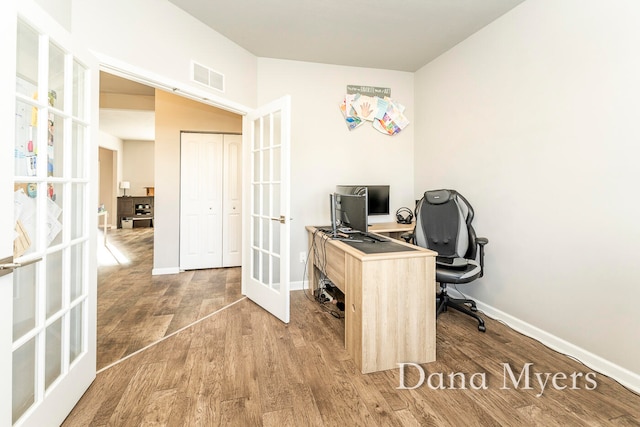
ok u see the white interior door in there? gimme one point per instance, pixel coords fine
(266, 225)
(232, 204)
(201, 175)
(48, 315)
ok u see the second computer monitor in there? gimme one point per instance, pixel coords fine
(351, 211)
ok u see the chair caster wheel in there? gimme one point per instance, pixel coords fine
(482, 328)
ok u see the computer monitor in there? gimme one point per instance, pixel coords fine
(351, 211)
(378, 199)
(377, 196)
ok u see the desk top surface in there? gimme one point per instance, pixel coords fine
(392, 248)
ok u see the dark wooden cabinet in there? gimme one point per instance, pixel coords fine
(137, 209)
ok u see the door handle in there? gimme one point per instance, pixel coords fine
(281, 220)
(7, 265)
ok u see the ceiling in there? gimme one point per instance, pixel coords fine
(395, 35)
(128, 125)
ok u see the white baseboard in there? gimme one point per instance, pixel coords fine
(162, 271)
(629, 379)
(296, 286)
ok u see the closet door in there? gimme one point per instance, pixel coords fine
(201, 183)
(232, 221)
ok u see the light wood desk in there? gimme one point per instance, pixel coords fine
(389, 300)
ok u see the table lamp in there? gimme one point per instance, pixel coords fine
(125, 185)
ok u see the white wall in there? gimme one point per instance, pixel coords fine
(138, 167)
(534, 119)
(324, 152)
(160, 38)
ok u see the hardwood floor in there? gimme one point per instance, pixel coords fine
(136, 309)
(243, 367)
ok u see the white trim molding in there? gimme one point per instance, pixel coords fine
(625, 377)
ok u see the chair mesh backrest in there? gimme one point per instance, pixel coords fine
(442, 223)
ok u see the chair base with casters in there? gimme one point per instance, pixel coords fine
(466, 306)
(443, 224)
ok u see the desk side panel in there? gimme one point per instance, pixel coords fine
(353, 331)
(398, 312)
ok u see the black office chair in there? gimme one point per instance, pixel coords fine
(443, 224)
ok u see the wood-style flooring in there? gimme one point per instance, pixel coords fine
(242, 367)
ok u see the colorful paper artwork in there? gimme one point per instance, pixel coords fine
(385, 114)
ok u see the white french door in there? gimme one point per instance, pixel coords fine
(48, 347)
(266, 228)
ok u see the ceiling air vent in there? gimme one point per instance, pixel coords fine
(207, 76)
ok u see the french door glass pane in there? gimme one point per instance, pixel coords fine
(264, 244)
(55, 215)
(56, 77)
(26, 139)
(277, 127)
(275, 204)
(265, 268)
(275, 271)
(24, 368)
(275, 237)
(54, 283)
(76, 345)
(55, 145)
(76, 269)
(25, 281)
(79, 90)
(256, 165)
(257, 210)
(53, 351)
(256, 233)
(27, 216)
(256, 264)
(256, 133)
(27, 60)
(266, 133)
(276, 164)
(265, 210)
(77, 206)
(77, 151)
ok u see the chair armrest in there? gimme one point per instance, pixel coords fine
(481, 241)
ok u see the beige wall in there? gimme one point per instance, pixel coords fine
(324, 153)
(139, 166)
(535, 120)
(173, 115)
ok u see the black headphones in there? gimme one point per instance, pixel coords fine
(404, 215)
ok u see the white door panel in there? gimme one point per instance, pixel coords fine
(201, 200)
(48, 358)
(232, 220)
(266, 219)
